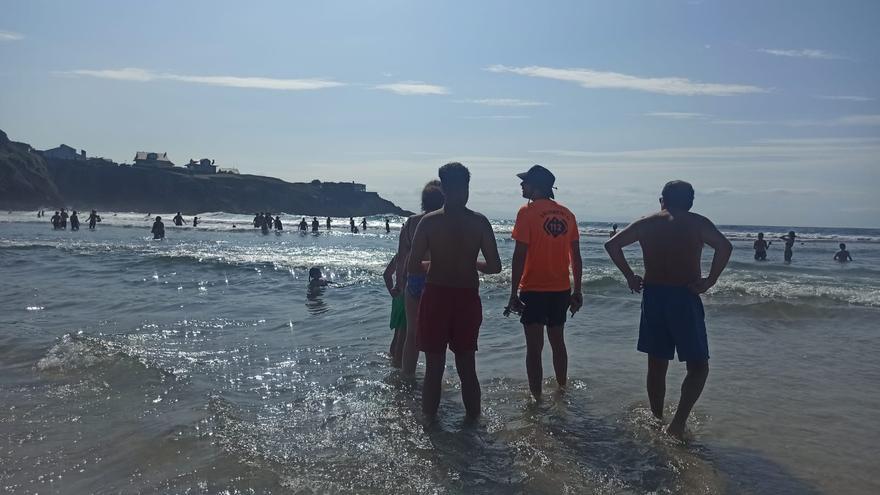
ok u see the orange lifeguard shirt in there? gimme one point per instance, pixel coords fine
(549, 229)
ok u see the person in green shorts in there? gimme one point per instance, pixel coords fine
(398, 314)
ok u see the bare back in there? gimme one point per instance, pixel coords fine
(454, 240)
(671, 247)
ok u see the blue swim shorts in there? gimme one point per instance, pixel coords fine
(673, 321)
(415, 284)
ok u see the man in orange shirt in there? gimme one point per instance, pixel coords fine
(547, 244)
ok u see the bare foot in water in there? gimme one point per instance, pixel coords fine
(675, 431)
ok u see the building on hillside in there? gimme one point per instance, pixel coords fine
(152, 159)
(64, 152)
(228, 170)
(340, 187)
(203, 166)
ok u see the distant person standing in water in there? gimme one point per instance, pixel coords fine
(63, 218)
(842, 255)
(315, 225)
(56, 221)
(328, 223)
(93, 219)
(278, 226)
(74, 221)
(613, 230)
(450, 313)
(351, 222)
(760, 246)
(258, 220)
(547, 246)
(387, 227)
(303, 225)
(158, 230)
(178, 220)
(789, 244)
(364, 225)
(672, 313)
(412, 284)
(266, 225)
(195, 222)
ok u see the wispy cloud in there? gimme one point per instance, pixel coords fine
(803, 53)
(679, 115)
(504, 102)
(846, 98)
(145, 75)
(594, 79)
(410, 88)
(10, 36)
(498, 117)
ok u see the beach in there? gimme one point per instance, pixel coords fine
(204, 364)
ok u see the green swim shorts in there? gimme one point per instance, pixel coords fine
(398, 313)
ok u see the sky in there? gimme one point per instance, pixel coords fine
(771, 109)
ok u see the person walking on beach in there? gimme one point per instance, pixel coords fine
(74, 221)
(398, 313)
(450, 312)
(547, 244)
(789, 244)
(315, 225)
(93, 219)
(158, 229)
(613, 231)
(842, 255)
(760, 246)
(672, 317)
(412, 284)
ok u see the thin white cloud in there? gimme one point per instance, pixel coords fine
(10, 36)
(678, 115)
(803, 53)
(846, 98)
(844, 121)
(857, 120)
(498, 117)
(594, 79)
(504, 102)
(144, 75)
(410, 88)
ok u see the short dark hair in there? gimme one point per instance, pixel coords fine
(432, 196)
(454, 175)
(678, 194)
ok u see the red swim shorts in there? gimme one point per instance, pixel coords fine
(449, 316)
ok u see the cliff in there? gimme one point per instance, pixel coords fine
(29, 181)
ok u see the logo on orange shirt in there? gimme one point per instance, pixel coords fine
(555, 226)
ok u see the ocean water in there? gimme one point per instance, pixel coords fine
(203, 364)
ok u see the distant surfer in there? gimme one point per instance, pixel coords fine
(158, 230)
(760, 247)
(789, 243)
(842, 255)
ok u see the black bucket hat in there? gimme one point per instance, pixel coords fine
(540, 177)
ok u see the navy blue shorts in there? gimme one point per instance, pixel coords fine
(673, 321)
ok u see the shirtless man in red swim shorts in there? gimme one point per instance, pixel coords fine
(450, 312)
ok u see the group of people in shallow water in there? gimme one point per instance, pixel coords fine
(433, 282)
(60, 218)
(761, 245)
